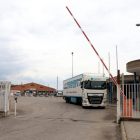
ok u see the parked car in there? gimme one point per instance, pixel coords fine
(41, 95)
(17, 93)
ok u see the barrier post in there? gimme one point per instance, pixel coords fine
(118, 98)
(15, 108)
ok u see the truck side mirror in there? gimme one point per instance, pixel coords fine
(107, 85)
(81, 84)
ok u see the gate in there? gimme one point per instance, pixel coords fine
(130, 107)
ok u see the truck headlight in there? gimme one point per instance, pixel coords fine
(84, 101)
(105, 101)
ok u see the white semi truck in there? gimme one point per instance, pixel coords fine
(86, 89)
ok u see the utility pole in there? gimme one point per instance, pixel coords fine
(103, 68)
(118, 97)
(57, 84)
(110, 101)
(117, 58)
(98, 67)
(72, 63)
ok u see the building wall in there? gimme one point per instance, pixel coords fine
(128, 79)
(33, 87)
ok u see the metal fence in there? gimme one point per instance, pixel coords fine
(130, 107)
(5, 97)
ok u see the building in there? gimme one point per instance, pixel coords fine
(112, 89)
(131, 67)
(37, 89)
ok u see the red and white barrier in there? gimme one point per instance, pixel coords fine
(95, 51)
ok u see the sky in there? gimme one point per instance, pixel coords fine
(37, 38)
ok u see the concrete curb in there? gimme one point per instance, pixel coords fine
(123, 131)
(112, 105)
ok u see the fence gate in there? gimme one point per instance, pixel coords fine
(130, 107)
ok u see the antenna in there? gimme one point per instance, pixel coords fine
(117, 58)
(109, 65)
(57, 83)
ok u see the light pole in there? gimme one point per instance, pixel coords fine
(72, 63)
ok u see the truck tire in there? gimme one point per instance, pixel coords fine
(66, 100)
(84, 107)
(70, 100)
(103, 107)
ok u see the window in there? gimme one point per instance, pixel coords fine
(23, 86)
(41, 87)
(32, 85)
(95, 84)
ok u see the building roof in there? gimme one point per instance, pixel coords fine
(133, 66)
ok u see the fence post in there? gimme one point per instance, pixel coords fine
(111, 92)
(118, 98)
(135, 89)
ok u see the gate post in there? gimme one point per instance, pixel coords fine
(135, 92)
(118, 98)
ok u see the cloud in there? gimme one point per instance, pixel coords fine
(37, 38)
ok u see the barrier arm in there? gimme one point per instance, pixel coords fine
(96, 52)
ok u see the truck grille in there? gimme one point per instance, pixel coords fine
(95, 99)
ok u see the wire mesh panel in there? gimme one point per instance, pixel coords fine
(130, 107)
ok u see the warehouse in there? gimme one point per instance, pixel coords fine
(34, 88)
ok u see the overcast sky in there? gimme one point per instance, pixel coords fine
(38, 36)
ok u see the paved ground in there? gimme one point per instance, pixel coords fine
(131, 130)
(47, 118)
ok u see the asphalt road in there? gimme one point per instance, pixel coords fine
(50, 118)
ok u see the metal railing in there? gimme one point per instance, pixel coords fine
(130, 107)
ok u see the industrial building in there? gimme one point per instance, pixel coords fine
(34, 88)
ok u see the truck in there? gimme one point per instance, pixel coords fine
(59, 94)
(17, 93)
(87, 89)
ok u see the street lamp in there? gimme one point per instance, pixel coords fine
(72, 63)
(137, 24)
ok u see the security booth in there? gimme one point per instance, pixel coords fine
(5, 97)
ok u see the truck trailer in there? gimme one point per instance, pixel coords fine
(86, 89)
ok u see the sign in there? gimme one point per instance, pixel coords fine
(32, 88)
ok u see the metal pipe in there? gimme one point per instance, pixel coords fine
(118, 97)
(72, 64)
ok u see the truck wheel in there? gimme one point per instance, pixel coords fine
(70, 100)
(102, 107)
(84, 107)
(66, 100)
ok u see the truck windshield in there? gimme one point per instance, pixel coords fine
(95, 84)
